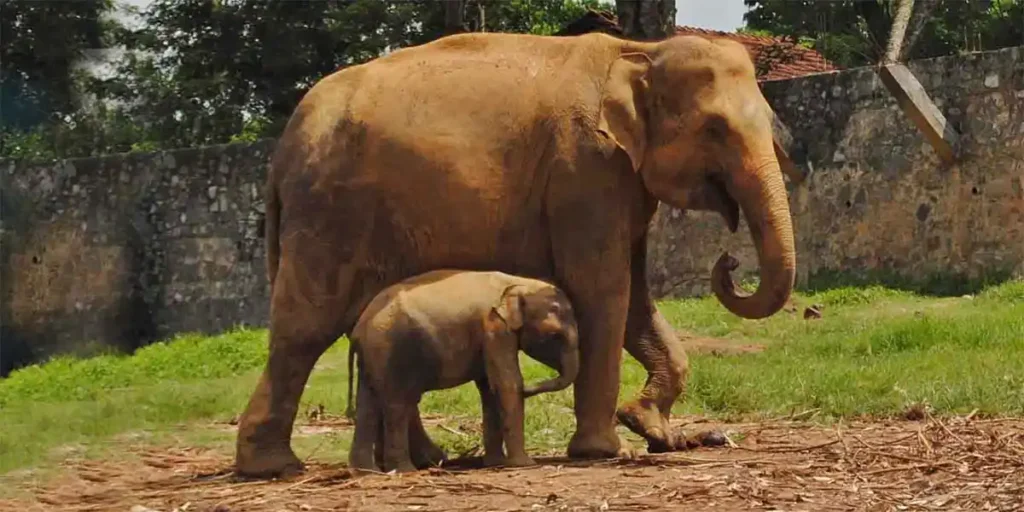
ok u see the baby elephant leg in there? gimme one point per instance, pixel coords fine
(368, 425)
(494, 454)
(396, 436)
(501, 355)
(422, 450)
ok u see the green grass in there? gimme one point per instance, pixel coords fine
(876, 351)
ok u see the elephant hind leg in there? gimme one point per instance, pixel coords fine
(396, 436)
(422, 450)
(300, 332)
(368, 427)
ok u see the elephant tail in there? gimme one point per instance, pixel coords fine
(271, 224)
(349, 410)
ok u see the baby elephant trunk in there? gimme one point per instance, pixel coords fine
(570, 367)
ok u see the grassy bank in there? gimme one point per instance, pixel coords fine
(875, 351)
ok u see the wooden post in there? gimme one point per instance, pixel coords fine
(918, 106)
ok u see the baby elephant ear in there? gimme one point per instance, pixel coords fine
(508, 308)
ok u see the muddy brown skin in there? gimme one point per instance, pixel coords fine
(443, 329)
(537, 156)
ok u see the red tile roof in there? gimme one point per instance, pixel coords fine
(775, 58)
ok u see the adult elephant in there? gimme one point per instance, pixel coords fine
(538, 156)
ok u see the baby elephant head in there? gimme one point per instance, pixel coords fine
(543, 320)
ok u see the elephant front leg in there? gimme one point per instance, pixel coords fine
(652, 341)
(505, 387)
(494, 452)
(591, 265)
(596, 389)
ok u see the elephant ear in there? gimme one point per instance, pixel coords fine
(509, 309)
(623, 117)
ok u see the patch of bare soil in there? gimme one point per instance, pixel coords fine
(717, 346)
(960, 463)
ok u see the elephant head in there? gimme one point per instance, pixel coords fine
(688, 113)
(543, 318)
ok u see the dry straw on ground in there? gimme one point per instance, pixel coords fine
(953, 464)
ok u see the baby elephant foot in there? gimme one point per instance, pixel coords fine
(429, 458)
(518, 461)
(494, 460)
(407, 467)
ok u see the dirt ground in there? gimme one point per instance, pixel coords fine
(924, 464)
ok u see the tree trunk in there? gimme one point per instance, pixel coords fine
(646, 19)
(922, 10)
(454, 16)
(592, 21)
(898, 31)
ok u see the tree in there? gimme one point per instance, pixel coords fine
(647, 19)
(856, 32)
(454, 16)
(898, 31)
(42, 43)
(218, 70)
(213, 71)
(44, 46)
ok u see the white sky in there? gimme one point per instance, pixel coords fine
(725, 15)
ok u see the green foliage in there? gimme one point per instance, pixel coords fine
(200, 72)
(934, 284)
(854, 33)
(186, 357)
(542, 17)
(42, 42)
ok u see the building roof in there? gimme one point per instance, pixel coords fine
(775, 58)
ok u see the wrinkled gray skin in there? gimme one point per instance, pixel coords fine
(443, 329)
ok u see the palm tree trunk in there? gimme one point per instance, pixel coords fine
(898, 31)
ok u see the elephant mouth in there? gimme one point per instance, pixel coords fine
(717, 198)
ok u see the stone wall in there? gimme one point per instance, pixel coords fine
(127, 249)
(878, 201)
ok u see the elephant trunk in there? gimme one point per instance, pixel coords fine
(762, 197)
(569, 368)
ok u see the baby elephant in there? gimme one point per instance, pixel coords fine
(442, 329)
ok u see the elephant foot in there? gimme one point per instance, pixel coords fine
(605, 445)
(428, 456)
(403, 467)
(519, 461)
(648, 423)
(255, 462)
(491, 460)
